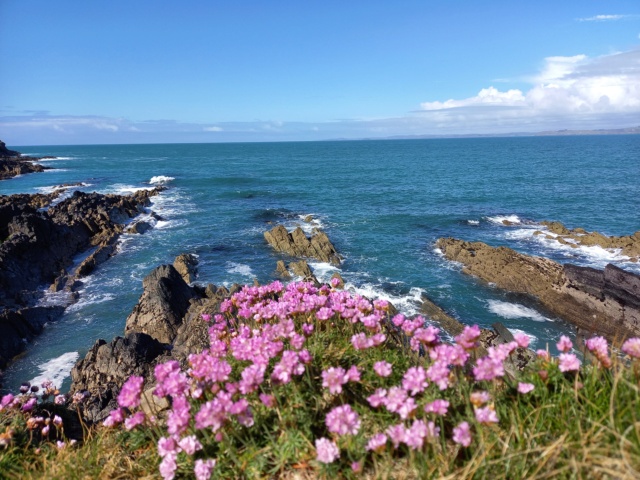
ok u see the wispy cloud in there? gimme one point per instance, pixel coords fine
(605, 18)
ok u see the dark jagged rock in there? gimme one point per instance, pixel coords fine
(297, 244)
(164, 302)
(603, 303)
(299, 269)
(39, 247)
(13, 164)
(5, 152)
(186, 264)
(107, 366)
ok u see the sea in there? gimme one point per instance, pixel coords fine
(383, 203)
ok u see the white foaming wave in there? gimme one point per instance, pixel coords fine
(473, 222)
(499, 219)
(161, 179)
(55, 299)
(54, 159)
(308, 227)
(323, 270)
(240, 269)
(55, 188)
(594, 255)
(407, 304)
(532, 338)
(57, 369)
(123, 189)
(512, 311)
(90, 299)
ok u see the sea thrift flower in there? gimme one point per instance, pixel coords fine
(522, 340)
(343, 420)
(133, 421)
(486, 415)
(168, 466)
(479, 398)
(206, 317)
(462, 434)
(6, 400)
(382, 368)
(356, 467)
(632, 347)
(203, 469)
(598, 346)
(564, 344)
(333, 378)
(378, 398)
(543, 354)
(438, 373)
(167, 445)
(353, 374)
(525, 387)
(115, 417)
(129, 396)
(439, 407)
(190, 445)
(377, 442)
(488, 368)
(468, 338)
(395, 398)
(326, 450)
(335, 281)
(415, 380)
(397, 434)
(57, 421)
(268, 401)
(569, 362)
(60, 400)
(28, 406)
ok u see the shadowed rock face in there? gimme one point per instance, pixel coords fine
(163, 303)
(603, 303)
(38, 246)
(297, 244)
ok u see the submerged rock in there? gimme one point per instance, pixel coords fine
(596, 302)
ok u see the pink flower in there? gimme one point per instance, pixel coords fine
(468, 338)
(522, 340)
(397, 434)
(569, 362)
(488, 368)
(353, 374)
(326, 450)
(343, 420)
(168, 466)
(439, 407)
(382, 368)
(167, 445)
(598, 346)
(28, 406)
(356, 467)
(543, 354)
(203, 469)
(206, 317)
(133, 421)
(632, 347)
(115, 417)
(462, 434)
(190, 445)
(333, 378)
(525, 387)
(486, 415)
(378, 398)
(377, 442)
(479, 398)
(415, 380)
(335, 281)
(564, 344)
(268, 401)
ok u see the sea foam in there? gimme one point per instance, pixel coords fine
(513, 311)
(56, 369)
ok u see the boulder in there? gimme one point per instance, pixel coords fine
(5, 152)
(164, 302)
(296, 244)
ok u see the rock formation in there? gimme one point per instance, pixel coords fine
(13, 164)
(629, 245)
(299, 269)
(39, 247)
(604, 303)
(185, 264)
(297, 244)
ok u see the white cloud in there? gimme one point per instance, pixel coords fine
(212, 129)
(604, 18)
(567, 87)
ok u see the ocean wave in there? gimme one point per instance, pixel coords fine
(473, 222)
(512, 311)
(239, 269)
(408, 304)
(87, 299)
(161, 179)
(56, 370)
(500, 219)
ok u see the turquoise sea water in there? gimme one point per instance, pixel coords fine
(383, 204)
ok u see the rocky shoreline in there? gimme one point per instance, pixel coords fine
(597, 302)
(12, 163)
(41, 241)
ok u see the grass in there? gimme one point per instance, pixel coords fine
(573, 425)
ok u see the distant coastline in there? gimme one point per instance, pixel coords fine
(546, 133)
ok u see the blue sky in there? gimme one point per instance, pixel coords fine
(209, 71)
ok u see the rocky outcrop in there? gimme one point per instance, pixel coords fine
(297, 244)
(603, 303)
(13, 164)
(166, 324)
(39, 248)
(185, 264)
(164, 301)
(300, 269)
(629, 245)
(5, 152)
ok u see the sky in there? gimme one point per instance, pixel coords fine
(161, 71)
